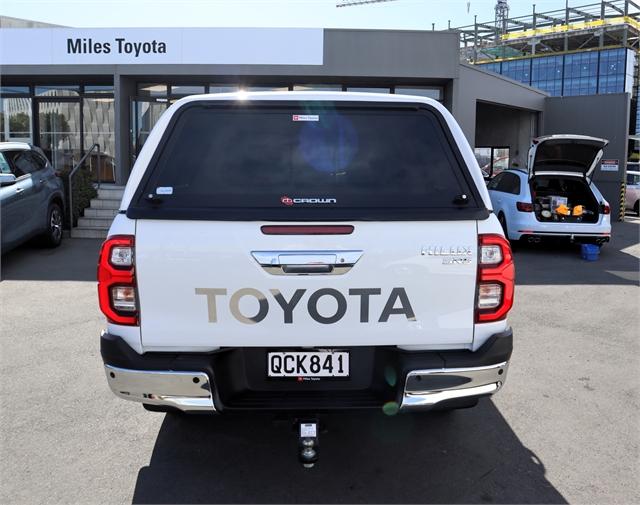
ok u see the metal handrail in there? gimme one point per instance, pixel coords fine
(72, 173)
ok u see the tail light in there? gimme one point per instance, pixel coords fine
(606, 209)
(524, 206)
(496, 276)
(117, 292)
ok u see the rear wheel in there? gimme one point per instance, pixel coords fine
(636, 208)
(503, 223)
(52, 237)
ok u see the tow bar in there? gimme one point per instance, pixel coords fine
(308, 441)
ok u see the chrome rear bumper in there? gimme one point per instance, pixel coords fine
(186, 391)
(193, 391)
(425, 389)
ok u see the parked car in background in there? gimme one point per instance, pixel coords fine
(633, 191)
(31, 197)
(555, 196)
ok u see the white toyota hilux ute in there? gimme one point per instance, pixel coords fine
(305, 252)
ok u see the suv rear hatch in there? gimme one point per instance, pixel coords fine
(567, 155)
(265, 223)
(560, 171)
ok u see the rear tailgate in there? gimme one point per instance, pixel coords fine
(393, 295)
(391, 171)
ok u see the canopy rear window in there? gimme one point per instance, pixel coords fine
(309, 161)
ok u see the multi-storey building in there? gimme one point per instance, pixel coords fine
(578, 50)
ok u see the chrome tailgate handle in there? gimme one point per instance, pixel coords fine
(306, 262)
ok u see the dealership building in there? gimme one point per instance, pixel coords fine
(66, 89)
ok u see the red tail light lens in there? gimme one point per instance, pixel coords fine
(606, 209)
(524, 206)
(117, 281)
(496, 278)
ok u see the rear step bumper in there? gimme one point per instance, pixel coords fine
(425, 389)
(233, 379)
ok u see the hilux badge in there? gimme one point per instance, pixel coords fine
(451, 255)
(439, 250)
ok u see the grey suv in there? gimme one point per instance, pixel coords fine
(31, 197)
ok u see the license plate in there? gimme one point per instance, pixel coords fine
(308, 364)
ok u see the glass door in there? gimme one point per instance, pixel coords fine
(59, 132)
(145, 113)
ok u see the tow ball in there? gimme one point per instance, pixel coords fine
(308, 442)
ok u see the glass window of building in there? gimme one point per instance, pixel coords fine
(64, 90)
(518, 70)
(180, 90)
(265, 88)
(491, 67)
(14, 90)
(435, 93)
(546, 74)
(223, 88)
(15, 119)
(59, 133)
(154, 90)
(483, 157)
(611, 74)
(581, 73)
(317, 87)
(98, 124)
(369, 90)
(98, 89)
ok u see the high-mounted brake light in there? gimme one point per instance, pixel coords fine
(496, 277)
(297, 229)
(117, 281)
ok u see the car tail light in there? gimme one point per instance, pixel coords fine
(606, 208)
(524, 206)
(117, 292)
(496, 277)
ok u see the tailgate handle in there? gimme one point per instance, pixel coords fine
(306, 269)
(306, 262)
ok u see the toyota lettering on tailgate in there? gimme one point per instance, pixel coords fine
(397, 304)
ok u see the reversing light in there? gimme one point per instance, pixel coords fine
(489, 295)
(123, 298)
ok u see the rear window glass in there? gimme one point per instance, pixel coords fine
(565, 154)
(330, 160)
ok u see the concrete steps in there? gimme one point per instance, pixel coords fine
(99, 215)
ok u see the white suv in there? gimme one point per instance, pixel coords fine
(555, 196)
(306, 252)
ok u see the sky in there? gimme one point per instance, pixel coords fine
(397, 14)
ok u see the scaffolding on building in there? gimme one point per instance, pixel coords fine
(612, 23)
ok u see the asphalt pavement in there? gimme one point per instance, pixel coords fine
(563, 429)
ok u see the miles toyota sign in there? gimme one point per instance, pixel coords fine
(122, 46)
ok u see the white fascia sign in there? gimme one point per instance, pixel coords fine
(136, 46)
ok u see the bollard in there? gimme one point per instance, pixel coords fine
(623, 197)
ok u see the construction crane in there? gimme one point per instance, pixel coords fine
(349, 3)
(502, 15)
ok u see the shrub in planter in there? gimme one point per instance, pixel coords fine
(83, 192)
